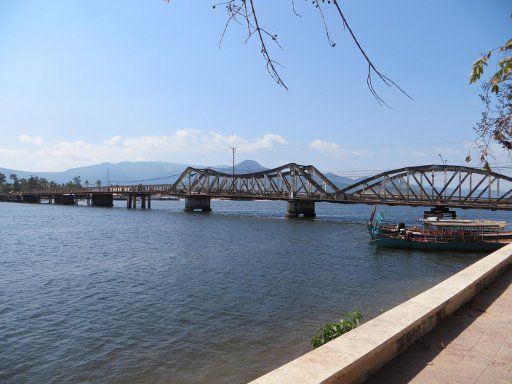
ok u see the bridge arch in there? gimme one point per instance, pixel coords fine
(290, 181)
(434, 185)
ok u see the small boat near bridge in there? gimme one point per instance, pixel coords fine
(436, 231)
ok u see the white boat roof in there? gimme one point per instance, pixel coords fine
(465, 223)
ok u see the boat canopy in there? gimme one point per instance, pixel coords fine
(466, 223)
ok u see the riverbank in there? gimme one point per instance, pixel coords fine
(355, 356)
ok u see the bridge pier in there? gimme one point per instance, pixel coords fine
(193, 203)
(32, 199)
(102, 200)
(64, 199)
(296, 208)
(145, 200)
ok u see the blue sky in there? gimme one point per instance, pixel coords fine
(91, 81)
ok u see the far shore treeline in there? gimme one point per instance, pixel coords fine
(13, 183)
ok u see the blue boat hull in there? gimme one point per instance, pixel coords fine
(451, 246)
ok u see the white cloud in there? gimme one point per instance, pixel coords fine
(359, 152)
(12, 152)
(35, 140)
(264, 143)
(332, 149)
(187, 145)
(328, 148)
(113, 140)
(195, 141)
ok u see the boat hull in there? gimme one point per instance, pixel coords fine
(433, 246)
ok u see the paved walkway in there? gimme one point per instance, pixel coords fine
(473, 346)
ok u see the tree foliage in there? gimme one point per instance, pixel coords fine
(331, 331)
(495, 124)
(33, 182)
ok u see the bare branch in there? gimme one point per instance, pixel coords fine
(244, 12)
(294, 10)
(319, 7)
(371, 67)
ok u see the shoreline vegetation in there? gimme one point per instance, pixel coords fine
(331, 331)
(14, 184)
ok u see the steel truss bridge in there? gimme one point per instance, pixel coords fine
(447, 186)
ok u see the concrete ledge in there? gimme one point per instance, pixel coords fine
(355, 356)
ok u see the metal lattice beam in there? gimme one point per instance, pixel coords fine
(428, 185)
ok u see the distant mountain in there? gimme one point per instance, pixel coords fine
(129, 172)
(146, 172)
(341, 181)
(125, 172)
(246, 166)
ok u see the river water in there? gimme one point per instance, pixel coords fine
(113, 295)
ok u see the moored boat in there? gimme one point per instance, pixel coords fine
(439, 233)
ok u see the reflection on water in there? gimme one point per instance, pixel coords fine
(115, 295)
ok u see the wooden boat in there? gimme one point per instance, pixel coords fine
(441, 234)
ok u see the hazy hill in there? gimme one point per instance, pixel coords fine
(145, 172)
(126, 172)
(246, 166)
(341, 181)
(119, 173)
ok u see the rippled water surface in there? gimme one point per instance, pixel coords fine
(160, 296)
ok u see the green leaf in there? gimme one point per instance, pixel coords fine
(507, 46)
(478, 69)
(331, 331)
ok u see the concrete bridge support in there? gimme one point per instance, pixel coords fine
(64, 199)
(304, 208)
(102, 200)
(33, 199)
(193, 203)
(145, 200)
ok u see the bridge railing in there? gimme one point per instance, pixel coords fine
(163, 188)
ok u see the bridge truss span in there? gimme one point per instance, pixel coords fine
(302, 185)
(434, 185)
(290, 181)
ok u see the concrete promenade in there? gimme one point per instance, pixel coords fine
(474, 345)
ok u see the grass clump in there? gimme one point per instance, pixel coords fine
(331, 331)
